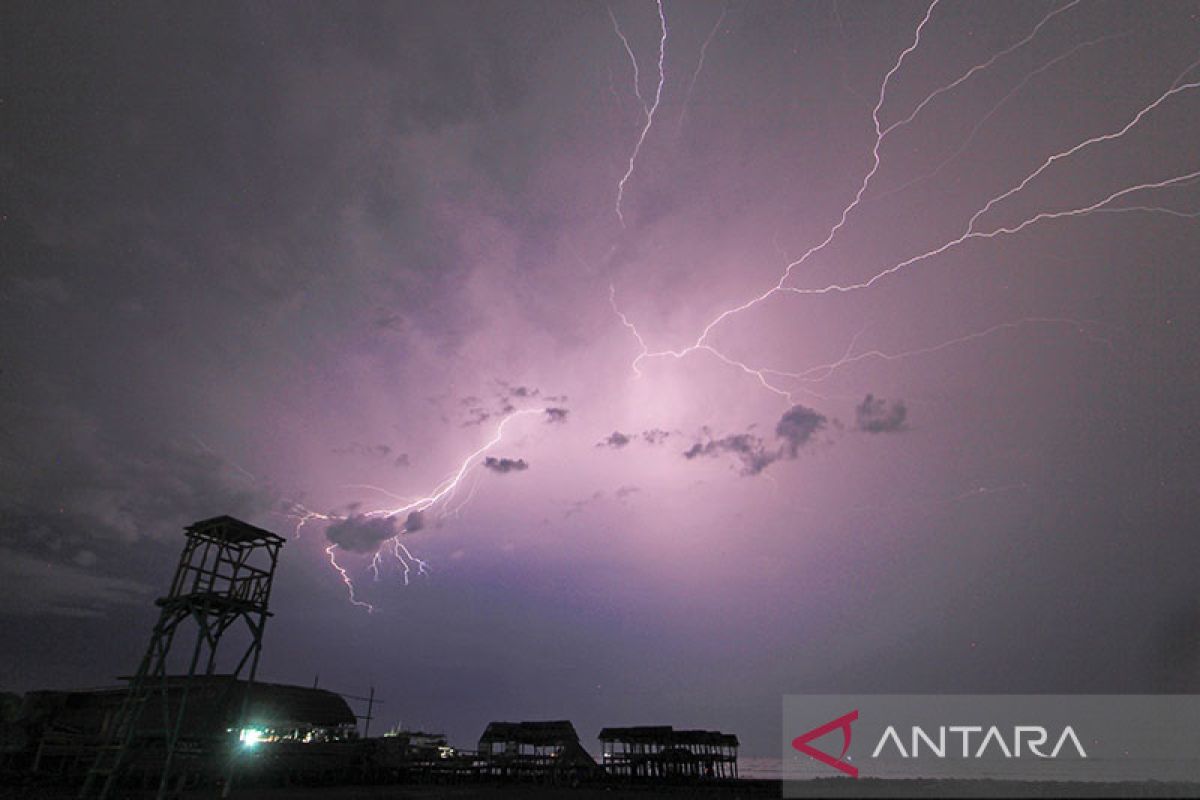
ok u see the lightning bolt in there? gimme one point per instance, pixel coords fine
(637, 78)
(977, 68)
(770, 379)
(687, 97)
(648, 109)
(701, 343)
(879, 135)
(444, 490)
(1108, 137)
(1172, 212)
(998, 232)
(970, 137)
(346, 580)
(822, 372)
(404, 556)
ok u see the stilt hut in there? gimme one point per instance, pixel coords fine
(660, 752)
(542, 751)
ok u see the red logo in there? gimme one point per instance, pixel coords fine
(801, 743)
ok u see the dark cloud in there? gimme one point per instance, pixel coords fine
(797, 427)
(359, 533)
(655, 436)
(519, 392)
(748, 448)
(616, 440)
(875, 416)
(476, 416)
(506, 399)
(401, 460)
(414, 522)
(505, 465)
(35, 586)
(794, 430)
(624, 491)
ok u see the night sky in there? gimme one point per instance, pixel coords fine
(297, 263)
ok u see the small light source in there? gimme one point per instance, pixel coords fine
(250, 737)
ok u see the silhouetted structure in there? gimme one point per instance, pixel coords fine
(661, 752)
(66, 728)
(224, 576)
(548, 751)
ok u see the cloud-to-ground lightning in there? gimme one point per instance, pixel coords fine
(406, 558)
(346, 580)
(649, 110)
(442, 491)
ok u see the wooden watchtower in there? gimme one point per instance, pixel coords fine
(224, 577)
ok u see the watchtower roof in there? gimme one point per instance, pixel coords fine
(229, 529)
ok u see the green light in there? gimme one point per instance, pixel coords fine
(249, 737)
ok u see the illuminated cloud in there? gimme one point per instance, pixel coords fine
(361, 534)
(414, 522)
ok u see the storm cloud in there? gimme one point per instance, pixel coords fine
(414, 522)
(655, 436)
(284, 229)
(616, 440)
(794, 430)
(505, 465)
(874, 415)
(359, 533)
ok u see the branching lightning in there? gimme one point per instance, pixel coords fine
(823, 372)
(786, 385)
(650, 109)
(404, 557)
(978, 126)
(879, 134)
(346, 580)
(978, 68)
(1085, 143)
(702, 342)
